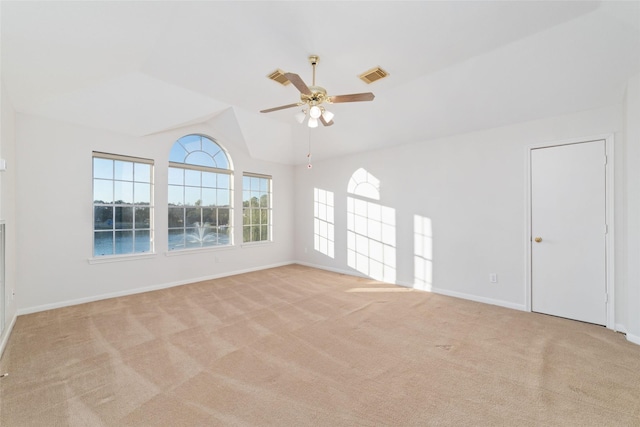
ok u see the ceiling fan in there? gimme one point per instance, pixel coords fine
(313, 97)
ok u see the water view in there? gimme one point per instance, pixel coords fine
(139, 241)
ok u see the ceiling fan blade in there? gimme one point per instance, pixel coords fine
(326, 123)
(354, 97)
(298, 83)
(282, 107)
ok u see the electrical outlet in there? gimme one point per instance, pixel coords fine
(493, 277)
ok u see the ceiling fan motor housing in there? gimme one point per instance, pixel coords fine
(317, 97)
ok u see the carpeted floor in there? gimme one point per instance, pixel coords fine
(296, 346)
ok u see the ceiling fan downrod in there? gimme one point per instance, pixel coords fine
(313, 59)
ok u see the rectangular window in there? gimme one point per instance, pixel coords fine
(122, 205)
(199, 207)
(256, 208)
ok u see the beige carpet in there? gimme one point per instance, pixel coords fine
(295, 346)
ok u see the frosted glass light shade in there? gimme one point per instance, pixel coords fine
(315, 112)
(327, 116)
(313, 122)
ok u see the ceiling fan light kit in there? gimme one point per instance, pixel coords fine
(312, 97)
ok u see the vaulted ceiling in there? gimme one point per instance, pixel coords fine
(141, 68)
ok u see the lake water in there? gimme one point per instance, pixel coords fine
(123, 242)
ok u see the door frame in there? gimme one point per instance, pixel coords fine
(609, 218)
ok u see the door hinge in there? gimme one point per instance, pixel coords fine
(606, 159)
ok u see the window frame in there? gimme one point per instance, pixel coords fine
(114, 255)
(200, 232)
(268, 209)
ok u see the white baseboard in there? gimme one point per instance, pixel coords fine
(500, 303)
(630, 337)
(633, 338)
(333, 270)
(621, 328)
(93, 298)
(6, 334)
(476, 298)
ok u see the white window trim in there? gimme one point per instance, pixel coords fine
(270, 225)
(189, 251)
(121, 258)
(130, 256)
(230, 172)
(257, 243)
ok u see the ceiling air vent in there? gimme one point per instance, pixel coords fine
(373, 75)
(278, 76)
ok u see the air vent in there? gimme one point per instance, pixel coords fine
(278, 76)
(373, 75)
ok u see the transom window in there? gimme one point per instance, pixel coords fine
(256, 208)
(200, 194)
(122, 205)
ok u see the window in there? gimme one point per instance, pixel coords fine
(200, 194)
(256, 208)
(122, 205)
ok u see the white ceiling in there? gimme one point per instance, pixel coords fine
(144, 67)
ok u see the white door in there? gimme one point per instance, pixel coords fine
(568, 228)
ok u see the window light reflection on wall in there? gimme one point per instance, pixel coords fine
(323, 222)
(371, 229)
(422, 253)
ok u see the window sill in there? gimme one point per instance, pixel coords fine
(257, 244)
(190, 251)
(120, 258)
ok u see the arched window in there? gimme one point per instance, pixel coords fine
(200, 194)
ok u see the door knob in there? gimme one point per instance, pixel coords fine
(538, 239)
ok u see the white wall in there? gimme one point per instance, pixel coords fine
(632, 208)
(471, 186)
(7, 210)
(54, 205)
